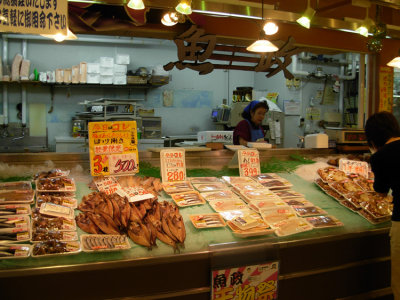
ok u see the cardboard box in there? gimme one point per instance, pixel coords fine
(67, 75)
(215, 136)
(82, 72)
(75, 74)
(318, 140)
(122, 59)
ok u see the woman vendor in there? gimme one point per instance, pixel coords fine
(249, 129)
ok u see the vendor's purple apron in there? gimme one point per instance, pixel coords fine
(255, 134)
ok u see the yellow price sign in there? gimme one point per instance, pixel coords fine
(113, 148)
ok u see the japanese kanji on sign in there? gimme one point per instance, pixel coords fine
(173, 167)
(34, 16)
(354, 167)
(113, 148)
(386, 89)
(249, 162)
(258, 282)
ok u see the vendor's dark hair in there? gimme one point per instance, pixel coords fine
(246, 113)
(380, 127)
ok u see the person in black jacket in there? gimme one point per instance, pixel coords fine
(383, 135)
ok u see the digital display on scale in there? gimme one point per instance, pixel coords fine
(354, 136)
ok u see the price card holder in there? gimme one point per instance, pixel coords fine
(113, 148)
(249, 162)
(173, 166)
(354, 167)
(108, 185)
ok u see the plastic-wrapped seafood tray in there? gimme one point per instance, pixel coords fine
(255, 231)
(54, 248)
(177, 187)
(17, 196)
(308, 211)
(292, 226)
(15, 186)
(56, 184)
(225, 205)
(188, 199)
(207, 221)
(40, 235)
(104, 242)
(209, 187)
(11, 251)
(197, 180)
(237, 180)
(220, 195)
(15, 209)
(324, 221)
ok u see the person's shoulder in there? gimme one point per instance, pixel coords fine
(243, 123)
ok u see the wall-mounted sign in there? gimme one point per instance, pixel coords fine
(173, 167)
(386, 89)
(34, 16)
(249, 162)
(257, 282)
(113, 148)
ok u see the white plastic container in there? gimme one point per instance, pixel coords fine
(107, 62)
(93, 68)
(318, 140)
(106, 79)
(105, 71)
(215, 136)
(120, 69)
(122, 59)
(119, 79)
(93, 78)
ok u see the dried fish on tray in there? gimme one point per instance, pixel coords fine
(265, 176)
(237, 180)
(8, 251)
(288, 194)
(17, 235)
(330, 174)
(298, 202)
(188, 198)
(15, 209)
(102, 242)
(231, 214)
(57, 184)
(225, 205)
(276, 184)
(365, 183)
(60, 200)
(40, 234)
(207, 221)
(55, 210)
(209, 187)
(349, 205)
(306, 211)
(324, 221)
(51, 174)
(262, 194)
(292, 226)
(247, 186)
(59, 223)
(197, 180)
(255, 231)
(9, 223)
(19, 196)
(259, 205)
(273, 215)
(55, 247)
(345, 187)
(15, 186)
(371, 219)
(247, 221)
(220, 195)
(177, 187)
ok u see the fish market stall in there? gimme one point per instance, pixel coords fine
(349, 257)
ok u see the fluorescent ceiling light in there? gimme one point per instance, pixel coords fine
(224, 14)
(184, 7)
(365, 27)
(261, 46)
(59, 37)
(270, 28)
(136, 4)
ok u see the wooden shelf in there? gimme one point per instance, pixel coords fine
(84, 85)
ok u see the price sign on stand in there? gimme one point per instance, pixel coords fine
(249, 162)
(113, 148)
(173, 167)
(354, 167)
(247, 282)
(108, 185)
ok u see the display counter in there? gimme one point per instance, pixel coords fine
(319, 264)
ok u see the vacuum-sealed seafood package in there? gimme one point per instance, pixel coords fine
(56, 184)
(104, 242)
(188, 198)
(330, 174)
(17, 196)
(237, 180)
(292, 226)
(55, 210)
(15, 209)
(324, 221)
(265, 176)
(247, 186)
(255, 231)
(273, 215)
(60, 200)
(228, 215)
(219, 195)
(207, 221)
(16, 235)
(298, 202)
(277, 184)
(55, 247)
(288, 194)
(225, 205)
(306, 211)
(8, 223)
(197, 180)
(15, 186)
(262, 194)
(8, 251)
(259, 205)
(210, 187)
(177, 187)
(51, 174)
(40, 234)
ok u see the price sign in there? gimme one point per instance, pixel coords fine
(113, 148)
(247, 282)
(135, 194)
(173, 167)
(108, 185)
(249, 162)
(354, 167)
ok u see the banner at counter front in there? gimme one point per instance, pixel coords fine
(34, 16)
(256, 282)
(113, 148)
(386, 89)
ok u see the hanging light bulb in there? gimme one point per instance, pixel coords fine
(395, 62)
(184, 7)
(262, 45)
(136, 4)
(305, 19)
(270, 28)
(365, 26)
(59, 37)
(170, 19)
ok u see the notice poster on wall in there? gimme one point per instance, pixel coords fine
(113, 148)
(34, 17)
(258, 282)
(386, 89)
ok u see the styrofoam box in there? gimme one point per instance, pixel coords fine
(215, 136)
(106, 71)
(93, 68)
(92, 78)
(107, 62)
(318, 140)
(122, 59)
(120, 69)
(119, 79)
(106, 79)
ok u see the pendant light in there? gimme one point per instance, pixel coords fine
(365, 26)
(136, 4)
(305, 19)
(170, 19)
(262, 44)
(184, 7)
(395, 62)
(270, 28)
(59, 37)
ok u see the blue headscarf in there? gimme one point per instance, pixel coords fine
(250, 106)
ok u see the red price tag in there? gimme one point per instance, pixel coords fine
(123, 163)
(97, 164)
(175, 176)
